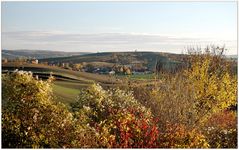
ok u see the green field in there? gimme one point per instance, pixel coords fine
(65, 94)
(67, 91)
(138, 76)
(142, 76)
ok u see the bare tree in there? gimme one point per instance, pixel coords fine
(158, 67)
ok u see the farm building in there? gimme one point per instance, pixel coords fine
(34, 61)
(112, 72)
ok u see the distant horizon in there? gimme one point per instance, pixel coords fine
(118, 26)
(100, 51)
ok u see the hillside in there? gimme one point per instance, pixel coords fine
(68, 83)
(73, 75)
(146, 58)
(39, 54)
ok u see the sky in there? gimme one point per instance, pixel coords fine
(118, 26)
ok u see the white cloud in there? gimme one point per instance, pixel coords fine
(58, 40)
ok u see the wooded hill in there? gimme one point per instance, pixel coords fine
(147, 59)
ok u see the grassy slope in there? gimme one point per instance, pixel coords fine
(142, 76)
(65, 94)
(81, 76)
(66, 89)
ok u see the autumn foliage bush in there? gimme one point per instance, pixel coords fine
(97, 103)
(32, 119)
(126, 130)
(179, 136)
(221, 129)
(120, 120)
(184, 110)
(192, 96)
(214, 86)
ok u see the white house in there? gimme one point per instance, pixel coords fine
(112, 72)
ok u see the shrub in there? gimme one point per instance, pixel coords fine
(221, 130)
(178, 136)
(193, 96)
(122, 122)
(117, 116)
(127, 130)
(32, 119)
(97, 103)
(190, 97)
(214, 87)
